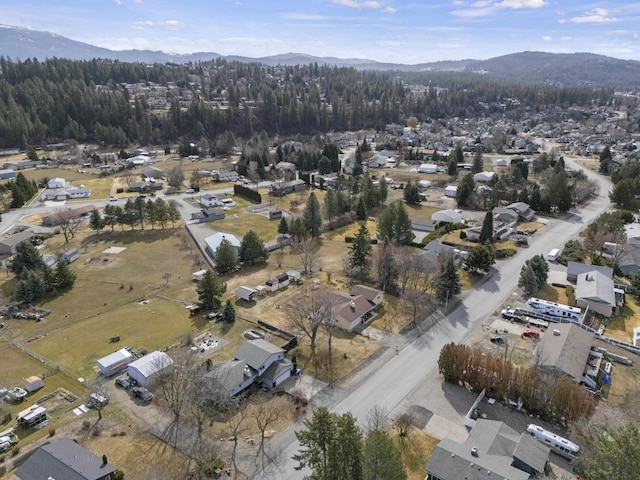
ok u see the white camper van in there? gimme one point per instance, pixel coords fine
(553, 255)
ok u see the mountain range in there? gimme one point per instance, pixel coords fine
(585, 69)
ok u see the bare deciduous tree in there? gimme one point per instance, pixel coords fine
(237, 425)
(265, 413)
(402, 424)
(68, 223)
(306, 315)
(376, 418)
(307, 248)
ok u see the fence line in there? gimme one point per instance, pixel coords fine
(44, 360)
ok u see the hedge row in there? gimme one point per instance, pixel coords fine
(247, 193)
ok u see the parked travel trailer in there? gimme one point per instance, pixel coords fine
(558, 444)
(554, 309)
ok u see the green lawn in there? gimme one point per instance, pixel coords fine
(242, 223)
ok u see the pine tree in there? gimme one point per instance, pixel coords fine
(315, 441)
(26, 258)
(528, 281)
(448, 284)
(96, 222)
(361, 209)
(383, 192)
(394, 225)
(225, 257)
(229, 312)
(252, 249)
(478, 161)
(486, 234)
(360, 251)
(210, 290)
(283, 226)
(381, 458)
(64, 276)
(311, 216)
(465, 191)
(411, 193)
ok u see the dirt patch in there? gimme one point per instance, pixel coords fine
(61, 399)
(104, 261)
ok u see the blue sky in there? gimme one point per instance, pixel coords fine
(403, 31)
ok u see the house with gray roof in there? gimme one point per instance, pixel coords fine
(629, 263)
(524, 211)
(595, 290)
(152, 172)
(493, 450)
(563, 350)
(505, 215)
(208, 214)
(9, 243)
(212, 242)
(65, 459)
(264, 362)
(576, 268)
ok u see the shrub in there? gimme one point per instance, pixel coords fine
(52, 432)
(15, 451)
(571, 295)
(247, 193)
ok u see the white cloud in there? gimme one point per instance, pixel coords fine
(167, 24)
(390, 43)
(364, 4)
(521, 3)
(597, 15)
(566, 39)
(249, 41)
(546, 38)
(304, 16)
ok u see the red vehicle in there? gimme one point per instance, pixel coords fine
(531, 333)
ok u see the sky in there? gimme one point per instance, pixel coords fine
(398, 31)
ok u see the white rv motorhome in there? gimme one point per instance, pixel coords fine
(554, 309)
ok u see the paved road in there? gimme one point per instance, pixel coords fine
(397, 376)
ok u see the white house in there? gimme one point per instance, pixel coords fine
(450, 191)
(56, 183)
(428, 168)
(115, 362)
(62, 194)
(212, 242)
(139, 160)
(147, 369)
(447, 216)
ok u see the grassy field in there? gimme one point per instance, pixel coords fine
(416, 449)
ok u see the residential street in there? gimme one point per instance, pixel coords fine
(394, 377)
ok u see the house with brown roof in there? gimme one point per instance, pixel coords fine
(349, 312)
(373, 295)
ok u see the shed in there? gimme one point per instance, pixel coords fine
(450, 191)
(283, 280)
(71, 255)
(447, 216)
(484, 177)
(33, 417)
(428, 168)
(261, 290)
(245, 293)
(424, 184)
(272, 284)
(50, 259)
(197, 276)
(115, 362)
(33, 383)
(147, 369)
(294, 275)
(275, 214)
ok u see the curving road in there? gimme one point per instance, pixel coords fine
(392, 379)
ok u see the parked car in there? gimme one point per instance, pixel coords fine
(510, 313)
(217, 316)
(97, 401)
(113, 199)
(142, 393)
(123, 382)
(531, 333)
(190, 191)
(497, 339)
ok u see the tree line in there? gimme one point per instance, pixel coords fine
(56, 100)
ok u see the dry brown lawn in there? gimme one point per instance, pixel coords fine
(621, 326)
(416, 449)
(553, 294)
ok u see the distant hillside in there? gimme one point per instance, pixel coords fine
(536, 67)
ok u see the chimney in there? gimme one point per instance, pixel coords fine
(352, 305)
(556, 332)
(474, 451)
(104, 460)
